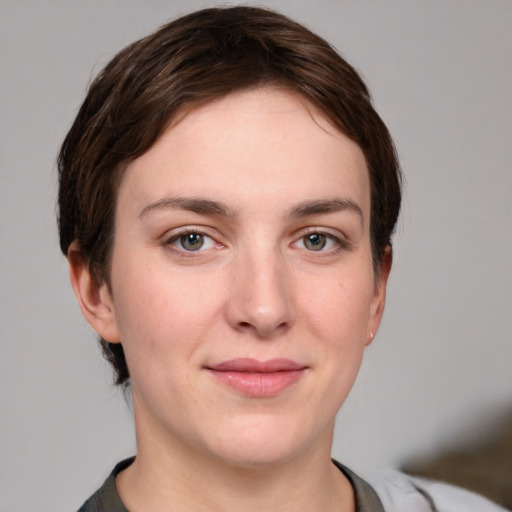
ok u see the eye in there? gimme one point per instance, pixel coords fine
(318, 242)
(192, 241)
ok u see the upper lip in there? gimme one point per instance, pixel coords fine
(250, 365)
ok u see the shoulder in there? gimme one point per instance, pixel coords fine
(404, 493)
(106, 499)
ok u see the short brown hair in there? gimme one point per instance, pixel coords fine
(193, 60)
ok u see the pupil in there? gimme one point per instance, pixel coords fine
(192, 241)
(315, 242)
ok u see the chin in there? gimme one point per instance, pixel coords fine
(262, 455)
(262, 443)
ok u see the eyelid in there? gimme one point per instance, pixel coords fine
(174, 235)
(342, 242)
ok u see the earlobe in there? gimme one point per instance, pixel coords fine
(379, 297)
(94, 298)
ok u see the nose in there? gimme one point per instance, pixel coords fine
(261, 296)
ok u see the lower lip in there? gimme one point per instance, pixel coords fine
(258, 384)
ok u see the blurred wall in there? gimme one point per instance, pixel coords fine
(439, 371)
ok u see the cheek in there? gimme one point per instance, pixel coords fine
(159, 313)
(340, 309)
(344, 322)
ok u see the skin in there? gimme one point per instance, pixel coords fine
(284, 271)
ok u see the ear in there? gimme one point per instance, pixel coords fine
(94, 298)
(379, 294)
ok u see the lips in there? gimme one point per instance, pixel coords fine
(255, 378)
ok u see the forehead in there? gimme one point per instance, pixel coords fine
(265, 142)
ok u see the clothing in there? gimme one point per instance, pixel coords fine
(400, 492)
(391, 491)
(106, 499)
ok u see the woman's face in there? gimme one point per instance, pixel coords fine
(242, 282)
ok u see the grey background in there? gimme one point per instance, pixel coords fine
(439, 372)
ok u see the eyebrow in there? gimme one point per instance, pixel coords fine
(193, 204)
(317, 207)
(209, 207)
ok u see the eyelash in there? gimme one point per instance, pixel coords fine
(339, 243)
(182, 251)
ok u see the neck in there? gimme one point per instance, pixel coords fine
(173, 476)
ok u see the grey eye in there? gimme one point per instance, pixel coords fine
(192, 241)
(315, 241)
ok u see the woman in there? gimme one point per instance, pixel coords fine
(227, 200)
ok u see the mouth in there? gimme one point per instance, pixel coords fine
(255, 378)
